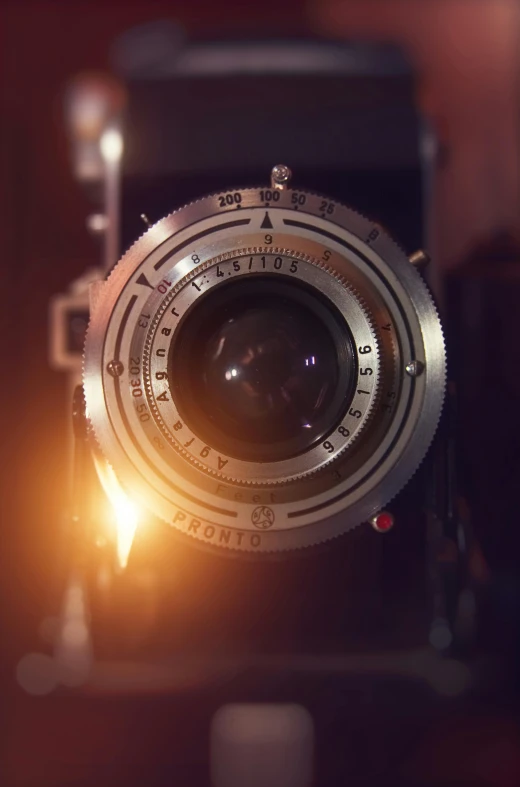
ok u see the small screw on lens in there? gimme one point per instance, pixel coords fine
(414, 368)
(280, 176)
(115, 368)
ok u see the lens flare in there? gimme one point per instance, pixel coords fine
(126, 513)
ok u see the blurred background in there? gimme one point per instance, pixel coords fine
(466, 55)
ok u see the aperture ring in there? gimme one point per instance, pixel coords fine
(237, 265)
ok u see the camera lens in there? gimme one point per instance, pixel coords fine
(256, 397)
(262, 369)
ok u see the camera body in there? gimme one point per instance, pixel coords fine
(264, 371)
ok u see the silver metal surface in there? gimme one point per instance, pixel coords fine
(419, 259)
(280, 176)
(312, 499)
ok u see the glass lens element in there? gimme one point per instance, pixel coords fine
(262, 369)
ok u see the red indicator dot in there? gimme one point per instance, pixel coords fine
(382, 522)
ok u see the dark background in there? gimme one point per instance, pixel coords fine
(467, 54)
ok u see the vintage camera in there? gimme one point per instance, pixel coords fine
(264, 369)
(264, 372)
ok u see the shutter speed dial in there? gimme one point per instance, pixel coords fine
(262, 401)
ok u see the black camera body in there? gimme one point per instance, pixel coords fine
(264, 371)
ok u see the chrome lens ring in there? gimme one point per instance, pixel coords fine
(323, 492)
(252, 264)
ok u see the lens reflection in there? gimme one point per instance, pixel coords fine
(270, 369)
(262, 369)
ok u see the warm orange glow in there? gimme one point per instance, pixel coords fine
(126, 513)
(73, 646)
